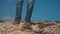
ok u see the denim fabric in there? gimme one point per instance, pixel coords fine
(29, 10)
(19, 9)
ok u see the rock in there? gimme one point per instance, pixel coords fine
(35, 27)
(27, 28)
(54, 29)
(23, 26)
(25, 32)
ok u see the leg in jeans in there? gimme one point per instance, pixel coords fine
(18, 11)
(29, 10)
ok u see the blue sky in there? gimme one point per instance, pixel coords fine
(43, 10)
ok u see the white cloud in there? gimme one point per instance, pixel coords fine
(8, 17)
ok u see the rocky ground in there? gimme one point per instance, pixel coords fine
(31, 28)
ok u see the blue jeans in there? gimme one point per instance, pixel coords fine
(29, 9)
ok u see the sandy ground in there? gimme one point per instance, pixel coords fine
(37, 28)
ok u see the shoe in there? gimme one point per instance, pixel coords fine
(27, 24)
(16, 22)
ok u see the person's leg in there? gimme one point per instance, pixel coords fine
(29, 10)
(18, 11)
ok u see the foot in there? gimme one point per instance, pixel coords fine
(16, 22)
(27, 23)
